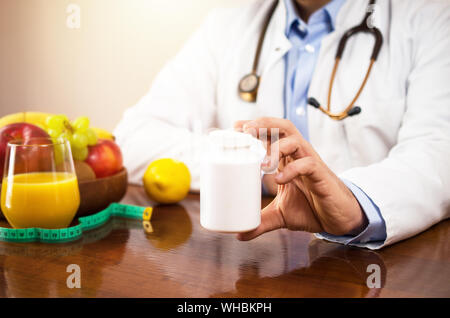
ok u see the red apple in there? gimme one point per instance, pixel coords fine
(17, 131)
(105, 158)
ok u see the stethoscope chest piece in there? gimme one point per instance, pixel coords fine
(248, 87)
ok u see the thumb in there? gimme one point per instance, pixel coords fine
(271, 219)
(239, 125)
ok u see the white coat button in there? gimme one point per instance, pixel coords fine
(300, 111)
(309, 48)
(301, 27)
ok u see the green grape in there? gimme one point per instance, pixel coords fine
(91, 136)
(65, 120)
(66, 135)
(53, 133)
(80, 153)
(79, 140)
(55, 122)
(81, 124)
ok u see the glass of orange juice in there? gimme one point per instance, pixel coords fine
(39, 187)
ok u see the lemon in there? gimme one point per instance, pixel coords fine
(167, 180)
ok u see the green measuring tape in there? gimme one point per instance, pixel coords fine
(74, 233)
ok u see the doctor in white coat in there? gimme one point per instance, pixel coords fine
(368, 180)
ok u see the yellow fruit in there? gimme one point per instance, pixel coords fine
(103, 133)
(167, 180)
(36, 118)
(12, 119)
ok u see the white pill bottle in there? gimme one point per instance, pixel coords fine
(230, 182)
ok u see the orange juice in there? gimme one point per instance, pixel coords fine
(41, 199)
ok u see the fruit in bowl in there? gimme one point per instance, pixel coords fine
(40, 119)
(35, 118)
(105, 158)
(102, 155)
(17, 131)
(102, 179)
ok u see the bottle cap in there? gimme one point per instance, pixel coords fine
(235, 147)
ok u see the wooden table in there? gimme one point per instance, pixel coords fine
(181, 259)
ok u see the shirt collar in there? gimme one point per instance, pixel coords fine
(331, 10)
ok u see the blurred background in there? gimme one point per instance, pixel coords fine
(99, 69)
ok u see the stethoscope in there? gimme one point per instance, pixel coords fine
(249, 84)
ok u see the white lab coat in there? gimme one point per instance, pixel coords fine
(397, 150)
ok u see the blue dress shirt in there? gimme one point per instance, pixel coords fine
(300, 61)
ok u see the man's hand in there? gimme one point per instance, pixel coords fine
(310, 196)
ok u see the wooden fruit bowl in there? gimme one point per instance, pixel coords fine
(97, 194)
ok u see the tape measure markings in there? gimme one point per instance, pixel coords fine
(73, 233)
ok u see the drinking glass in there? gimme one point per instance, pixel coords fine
(39, 187)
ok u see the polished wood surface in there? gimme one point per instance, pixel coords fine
(181, 259)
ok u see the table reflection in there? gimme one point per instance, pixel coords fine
(31, 258)
(171, 228)
(332, 269)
